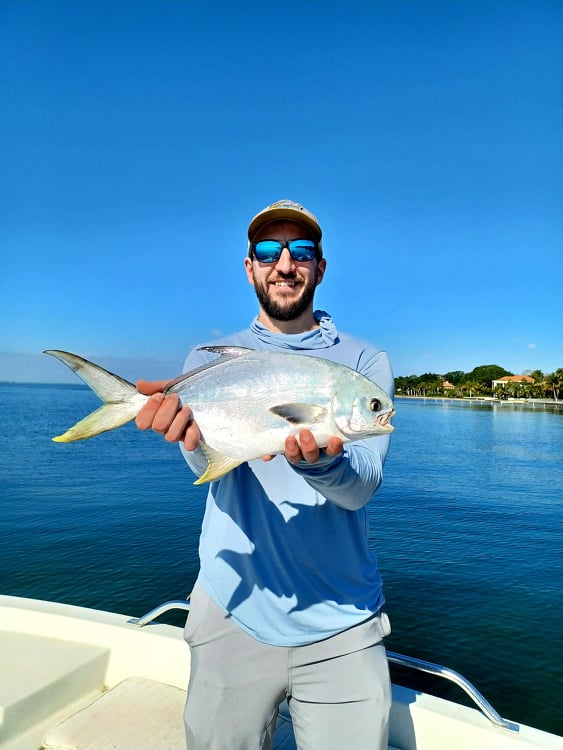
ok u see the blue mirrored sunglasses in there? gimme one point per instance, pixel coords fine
(269, 251)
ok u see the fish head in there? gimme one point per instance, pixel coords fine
(363, 414)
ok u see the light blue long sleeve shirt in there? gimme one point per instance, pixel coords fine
(284, 548)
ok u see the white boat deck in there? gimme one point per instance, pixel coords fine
(80, 679)
(45, 675)
(56, 659)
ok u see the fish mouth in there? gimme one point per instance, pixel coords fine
(384, 419)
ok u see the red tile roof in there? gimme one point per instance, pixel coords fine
(515, 379)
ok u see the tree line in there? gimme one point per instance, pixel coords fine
(479, 382)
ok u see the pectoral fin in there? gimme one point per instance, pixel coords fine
(218, 464)
(300, 414)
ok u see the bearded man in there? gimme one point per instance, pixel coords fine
(288, 604)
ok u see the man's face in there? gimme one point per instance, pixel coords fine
(285, 289)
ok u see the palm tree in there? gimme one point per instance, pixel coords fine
(554, 382)
(471, 387)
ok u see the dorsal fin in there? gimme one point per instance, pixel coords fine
(226, 351)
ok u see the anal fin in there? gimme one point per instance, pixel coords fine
(218, 464)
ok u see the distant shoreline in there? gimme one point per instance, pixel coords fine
(27, 383)
(489, 400)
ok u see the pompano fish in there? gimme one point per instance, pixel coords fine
(246, 403)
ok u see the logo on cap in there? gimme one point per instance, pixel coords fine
(287, 204)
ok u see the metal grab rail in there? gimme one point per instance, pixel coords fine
(160, 610)
(453, 676)
(403, 661)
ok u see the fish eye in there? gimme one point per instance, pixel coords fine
(375, 404)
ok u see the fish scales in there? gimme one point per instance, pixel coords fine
(234, 411)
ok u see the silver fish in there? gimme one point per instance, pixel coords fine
(246, 403)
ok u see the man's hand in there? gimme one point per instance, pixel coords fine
(306, 449)
(166, 415)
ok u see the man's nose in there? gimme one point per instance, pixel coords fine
(285, 262)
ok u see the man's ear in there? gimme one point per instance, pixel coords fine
(249, 270)
(321, 268)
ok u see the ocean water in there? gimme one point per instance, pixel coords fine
(467, 527)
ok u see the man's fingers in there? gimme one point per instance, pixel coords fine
(306, 448)
(309, 447)
(292, 450)
(148, 387)
(154, 389)
(145, 417)
(334, 447)
(192, 437)
(166, 413)
(182, 421)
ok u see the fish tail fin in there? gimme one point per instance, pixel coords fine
(107, 417)
(122, 401)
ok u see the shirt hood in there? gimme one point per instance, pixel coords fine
(319, 338)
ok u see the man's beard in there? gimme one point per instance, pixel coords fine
(281, 310)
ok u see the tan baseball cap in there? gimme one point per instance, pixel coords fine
(285, 209)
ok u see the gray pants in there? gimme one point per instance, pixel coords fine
(338, 690)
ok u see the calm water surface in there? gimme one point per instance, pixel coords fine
(468, 529)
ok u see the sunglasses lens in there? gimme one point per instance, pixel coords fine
(302, 250)
(267, 251)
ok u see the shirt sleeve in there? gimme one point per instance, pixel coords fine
(350, 479)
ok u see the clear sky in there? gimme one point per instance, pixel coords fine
(137, 139)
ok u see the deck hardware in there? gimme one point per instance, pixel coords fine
(449, 674)
(140, 622)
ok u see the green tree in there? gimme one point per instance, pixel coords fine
(430, 384)
(479, 382)
(455, 377)
(498, 391)
(485, 374)
(554, 382)
(406, 384)
(537, 388)
(471, 388)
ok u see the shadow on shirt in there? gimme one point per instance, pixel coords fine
(306, 548)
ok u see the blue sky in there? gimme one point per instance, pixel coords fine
(137, 139)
